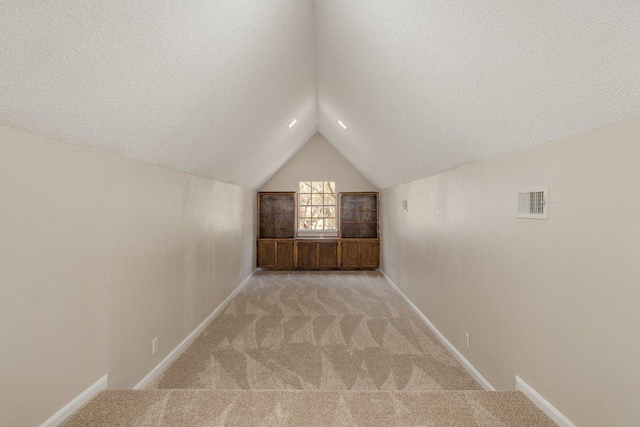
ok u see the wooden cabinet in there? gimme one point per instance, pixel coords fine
(276, 215)
(328, 254)
(360, 253)
(369, 254)
(357, 248)
(285, 254)
(317, 254)
(307, 254)
(359, 215)
(278, 254)
(350, 254)
(266, 252)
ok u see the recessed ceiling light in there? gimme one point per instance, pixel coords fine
(293, 123)
(342, 124)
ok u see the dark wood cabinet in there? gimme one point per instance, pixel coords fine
(266, 253)
(350, 254)
(278, 247)
(276, 215)
(307, 254)
(369, 253)
(360, 253)
(328, 254)
(285, 254)
(274, 253)
(359, 215)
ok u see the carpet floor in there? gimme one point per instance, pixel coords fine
(313, 349)
(194, 408)
(317, 331)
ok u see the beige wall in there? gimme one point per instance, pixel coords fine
(98, 255)
(317, 160)
(556, 302)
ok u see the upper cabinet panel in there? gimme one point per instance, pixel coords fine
(276, 215)
(359, 215)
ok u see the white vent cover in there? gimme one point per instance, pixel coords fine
(405, 206)
(532, 202)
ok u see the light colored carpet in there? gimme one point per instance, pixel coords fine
(313, 349)
(191, 408)
(317, 331)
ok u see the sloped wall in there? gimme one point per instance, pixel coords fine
(98, 255)
(555, 301)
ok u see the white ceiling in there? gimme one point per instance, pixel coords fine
(206, 87)
(209, 87)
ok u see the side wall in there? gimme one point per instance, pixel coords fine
(98, 255)
(555, 302)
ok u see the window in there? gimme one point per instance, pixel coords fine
(317, 202)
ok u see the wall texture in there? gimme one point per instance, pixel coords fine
(317, 160)
(555, 301)
(99, 255)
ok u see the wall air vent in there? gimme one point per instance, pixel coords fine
(532, 202)
(405, 206)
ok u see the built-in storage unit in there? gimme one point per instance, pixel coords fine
(359, 253)
(276, 215)
(276, 253)
(359, 215)
(278, 247)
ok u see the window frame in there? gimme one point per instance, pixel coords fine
(324, 232)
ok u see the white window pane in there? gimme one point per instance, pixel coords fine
(329, 199)
(330, 187)
(317, 187)
(305, 199)
(305, 187)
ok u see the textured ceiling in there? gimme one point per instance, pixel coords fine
(427, 85)
(209, 87)
(206, 87)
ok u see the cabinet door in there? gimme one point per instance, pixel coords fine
(350, 254)
(277, 215)
(266, 253)
(369, 254)
(307, 255)
(328, 254)
(284, 251)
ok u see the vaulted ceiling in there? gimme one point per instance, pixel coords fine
(210, 87)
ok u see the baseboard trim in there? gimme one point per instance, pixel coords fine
(173, 355)
(467, 365)
(64, 413)
(543, 404)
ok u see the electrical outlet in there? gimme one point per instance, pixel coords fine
(467, 339)
(154, 346)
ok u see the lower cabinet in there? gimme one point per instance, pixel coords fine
(307, 254)
(328, 254)
(278, 254)
(285, 254)
(350, 254)
(369, 254)
(313, 254)
(360, 254)
(266, 253)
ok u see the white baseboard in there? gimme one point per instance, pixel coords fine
(64, 413)
(468, 366)
(543, 404)
(189, 339)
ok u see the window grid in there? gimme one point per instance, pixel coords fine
(317, 205)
